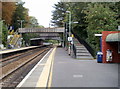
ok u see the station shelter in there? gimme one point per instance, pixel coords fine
(111, 46)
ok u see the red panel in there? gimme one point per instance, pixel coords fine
(112, 46)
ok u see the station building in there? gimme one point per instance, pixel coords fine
(111, 42)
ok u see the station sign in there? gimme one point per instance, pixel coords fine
(70, 38)
(119, 28)
(72, 35)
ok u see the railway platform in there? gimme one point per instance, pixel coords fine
(58, 69)
(15, 50)
(8, 52)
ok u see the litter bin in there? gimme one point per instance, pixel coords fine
(99, 57)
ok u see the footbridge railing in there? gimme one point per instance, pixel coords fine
(41, 30)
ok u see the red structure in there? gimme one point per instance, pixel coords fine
(113, 46)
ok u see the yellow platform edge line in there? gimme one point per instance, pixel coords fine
(43, 79)
(51, 73)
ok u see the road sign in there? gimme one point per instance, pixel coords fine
(70, 39)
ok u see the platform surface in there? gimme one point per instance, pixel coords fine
(33, 78)
(64, 71)
(69, 72)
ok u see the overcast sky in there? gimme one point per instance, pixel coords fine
(41, 9)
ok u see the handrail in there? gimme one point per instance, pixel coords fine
(74, 50)
(89, 48)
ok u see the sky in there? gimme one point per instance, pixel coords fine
(41, 9)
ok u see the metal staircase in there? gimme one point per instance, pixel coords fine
(80, 50)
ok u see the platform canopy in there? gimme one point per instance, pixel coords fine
(114, 37)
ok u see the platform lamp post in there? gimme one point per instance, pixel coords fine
(21, 24)
(70, 38)
(69, 49)
(66, 35)
(69, 22)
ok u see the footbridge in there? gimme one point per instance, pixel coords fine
(41, 30)
(74, 46)
(45, 33)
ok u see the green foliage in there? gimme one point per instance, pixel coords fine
(32, 22)
(28, 36)
(0, 31)
(19, 14)
(117, 5)
(93, 18)
(78, 16)
(93, 41)
(59, 14)
(14, 12)
(40, 26)
(51, 41)
(4, 35)
(99, 18)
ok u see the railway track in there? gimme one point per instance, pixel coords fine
(16, 57)
(15, 68)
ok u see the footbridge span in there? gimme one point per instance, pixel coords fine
(41, 30)
(45, 33)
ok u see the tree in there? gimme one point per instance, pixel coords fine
(20, 13)
(0, 9)
(117, 5)
(7, 11)
(32, 22)
(99, 18)
(77, 16)
(4, 35)
(92, 17)
(59, 14)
